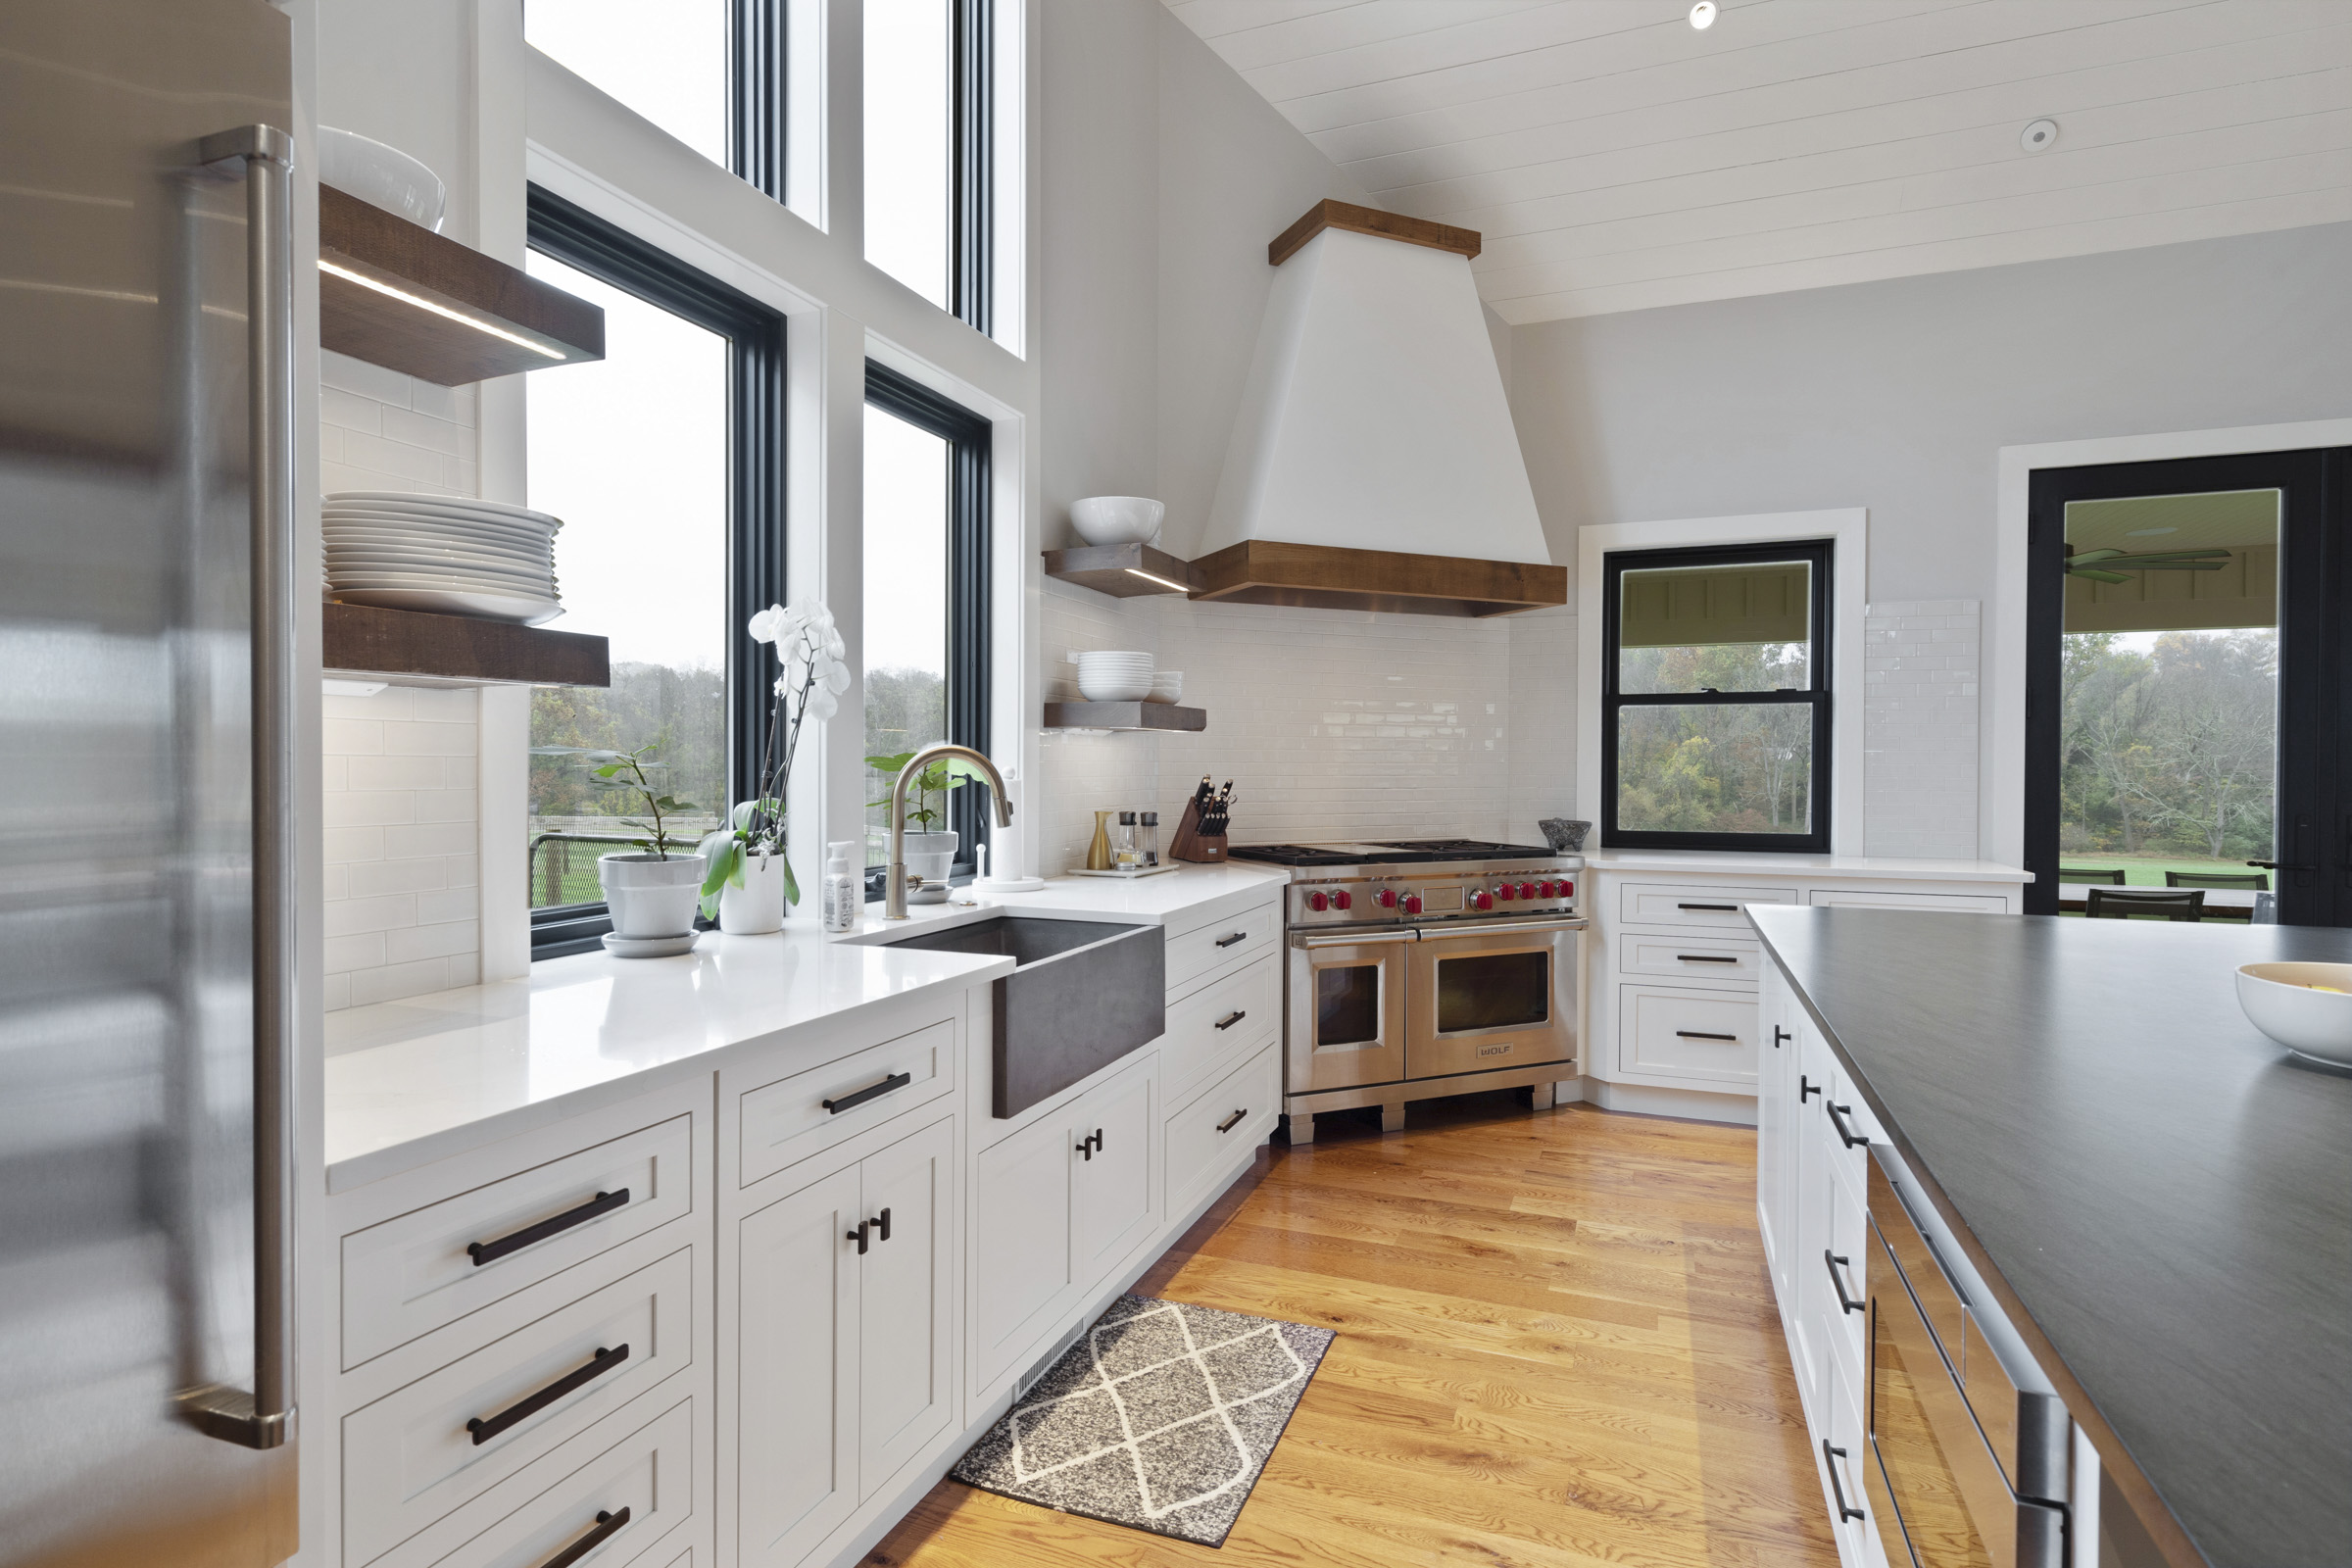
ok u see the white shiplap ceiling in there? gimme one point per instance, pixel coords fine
(1615, 158)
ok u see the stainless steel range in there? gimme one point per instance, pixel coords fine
(1421, 967)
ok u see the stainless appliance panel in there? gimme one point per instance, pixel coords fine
(1491, 997)
(1347, 1009)
(127, 971)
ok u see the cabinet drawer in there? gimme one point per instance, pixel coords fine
(1656, 904)
(643, 1487)
(786, 1121)
(1203, 1031)
(411, 1456)
(1872, 898)
(1690, 957)
(1219, 1127)
(1210, 947)
(1704, 1036)
(408, 1274)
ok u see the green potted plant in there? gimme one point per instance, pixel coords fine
(648, 890)
(930, 845)
(747, 880)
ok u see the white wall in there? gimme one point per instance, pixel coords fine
(1896, 395)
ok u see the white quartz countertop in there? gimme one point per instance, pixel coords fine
(412, 1081)
(1717, 863)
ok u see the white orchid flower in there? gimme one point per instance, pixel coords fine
(768, 625)
(822, 705)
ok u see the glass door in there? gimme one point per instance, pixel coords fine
(2185, 689)
(1347, 1009)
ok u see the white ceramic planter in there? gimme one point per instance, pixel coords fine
(649, 896)
(930, 856)
(757, 907)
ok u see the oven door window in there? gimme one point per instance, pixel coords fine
(1495, 991)
(1347, 1005)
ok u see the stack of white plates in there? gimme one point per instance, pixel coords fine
(1114, 676)
(449, 555)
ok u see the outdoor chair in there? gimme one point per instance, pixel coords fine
(2258, 881)
(2075, 873)
(2117, 904)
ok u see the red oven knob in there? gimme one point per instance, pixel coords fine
(1343, 899)
(1411, 903)
(1544, 890)
(1527, 890)
(1388, 898)
(1567, 890)
(1482, 901)
(1317, 902)
(1504, 893)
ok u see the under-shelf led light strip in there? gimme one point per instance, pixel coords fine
(423, 304)
(1138, 572)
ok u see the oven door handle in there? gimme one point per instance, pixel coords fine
(1356, 939)
(1500, 928)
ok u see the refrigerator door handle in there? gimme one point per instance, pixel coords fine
(264, 1416)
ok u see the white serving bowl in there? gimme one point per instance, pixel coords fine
(381, 176)
(1098, 688)
(1117, 520)
(1166, 685)
(2315, 1025)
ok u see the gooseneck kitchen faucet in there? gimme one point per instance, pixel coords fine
(894, 881)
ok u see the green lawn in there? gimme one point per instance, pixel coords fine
(2147, 870)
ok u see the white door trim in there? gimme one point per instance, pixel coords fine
(2002, 834)
(1849, 528)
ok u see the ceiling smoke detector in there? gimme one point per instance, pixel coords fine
(2039, 136)
(1702, 15)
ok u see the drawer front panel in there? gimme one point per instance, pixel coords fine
(786, 1121)
(1870, 899)
(627, 1503)
(1225, 1121)
(410, 1274)
(1203, 1030)
(409, 1458)
(1251, 934)
(1692, 957)
(1706, 1037)
(1657, 904)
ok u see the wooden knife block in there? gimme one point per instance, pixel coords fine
(1191, 844)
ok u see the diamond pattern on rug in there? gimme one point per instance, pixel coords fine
(1160, 1417)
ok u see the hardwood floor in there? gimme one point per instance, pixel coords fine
(1556, 1345)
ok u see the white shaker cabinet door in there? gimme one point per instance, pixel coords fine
(1775, 1082)
(796, 1404)
(1020, 1258)
(907, 1303)
(1112, 1178)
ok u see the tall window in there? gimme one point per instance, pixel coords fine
(1715, 700)
(708, 72)
(926, 637)
(664, 460)
(928, 208)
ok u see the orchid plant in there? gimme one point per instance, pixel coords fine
(811, 651)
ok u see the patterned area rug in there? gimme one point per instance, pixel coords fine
(1160, 1417)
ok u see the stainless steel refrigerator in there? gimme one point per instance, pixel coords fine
(146, 614)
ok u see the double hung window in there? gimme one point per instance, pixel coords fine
(666, 461)
(1715, 697)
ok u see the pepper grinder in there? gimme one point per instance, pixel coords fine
(1150, 845)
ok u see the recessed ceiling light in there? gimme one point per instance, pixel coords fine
(1702, 15)
(2039, 136)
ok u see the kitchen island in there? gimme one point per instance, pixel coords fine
(2155, 1194)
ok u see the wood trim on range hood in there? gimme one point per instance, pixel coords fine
(1265, 572)
(1369, 220)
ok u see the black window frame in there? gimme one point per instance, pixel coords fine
(971, 183)
(1819, 694)
(758, 129)
(969, 437)
(754, 332)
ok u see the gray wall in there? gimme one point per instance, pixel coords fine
(1895, 395)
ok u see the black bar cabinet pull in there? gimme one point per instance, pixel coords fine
(1780, 1034)
(858, 1235)
(1232, 1121)
(881, 1224)
(530, 1405)
(1805, 1086)
(1091, 1145)
(1707, 958)
(897, 1080)
(1719, 908)
(1838, 1115)
(1834, 1262)
(1229, 1019)
(491, 1251)
(1844, 1510)
(1238, 936)
(1701, 1034)
(607, 1525)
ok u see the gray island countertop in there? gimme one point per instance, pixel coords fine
(2160, 1197)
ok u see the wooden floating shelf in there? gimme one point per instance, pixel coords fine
(1123, 571)
(1328, 577)
(1124, 715)
(396, 294)
(409, 646)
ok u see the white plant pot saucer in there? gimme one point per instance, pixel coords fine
(650, 947)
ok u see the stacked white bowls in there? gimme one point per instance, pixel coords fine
(1167, 685)
(1114, 676)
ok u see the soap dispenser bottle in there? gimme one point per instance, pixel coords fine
(845, 889)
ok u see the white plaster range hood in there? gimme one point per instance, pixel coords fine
(1373, 463)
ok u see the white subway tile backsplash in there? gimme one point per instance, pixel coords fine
(1922, 670)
